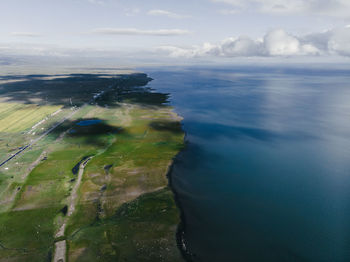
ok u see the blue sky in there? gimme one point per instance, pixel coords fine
(185, 29)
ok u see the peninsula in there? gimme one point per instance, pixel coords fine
(84, 164)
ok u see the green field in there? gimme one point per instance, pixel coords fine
(16, 117)
(123, 208)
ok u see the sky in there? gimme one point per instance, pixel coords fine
(181, 29)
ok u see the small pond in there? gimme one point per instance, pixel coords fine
(89, 122)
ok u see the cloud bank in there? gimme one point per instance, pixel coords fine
(274, 43)
(134, 31)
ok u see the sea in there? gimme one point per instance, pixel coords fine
(265, 175)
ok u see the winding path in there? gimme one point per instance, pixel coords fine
(61, 246)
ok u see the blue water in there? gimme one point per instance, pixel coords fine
(266, 172)
(89, 122)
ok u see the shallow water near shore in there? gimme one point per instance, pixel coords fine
(266, 172)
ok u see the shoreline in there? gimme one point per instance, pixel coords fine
(181, 227)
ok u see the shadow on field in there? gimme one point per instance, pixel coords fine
(142, 96)
(170, 126)
(91, 131)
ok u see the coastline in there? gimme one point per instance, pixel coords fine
(181, 227)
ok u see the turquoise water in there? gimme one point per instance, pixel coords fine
(89, 122)
(266, 172)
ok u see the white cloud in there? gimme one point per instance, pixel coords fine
(339, 41)
(159, 12)
(242, 46)
(309, 49)
(274, 43)
(325, 7)
(175, 52)
(25, 34)
(134, 31)
(209, 49)
(194, 51)
(335, 41)
(319, 40)
(279, 43)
